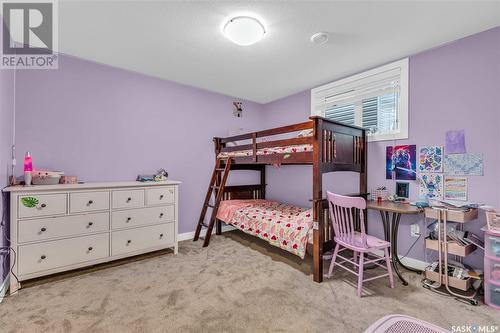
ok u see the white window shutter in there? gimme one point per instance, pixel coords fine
(376, 99)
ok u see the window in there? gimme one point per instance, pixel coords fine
(376, 100)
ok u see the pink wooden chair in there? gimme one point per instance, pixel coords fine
(343, 212)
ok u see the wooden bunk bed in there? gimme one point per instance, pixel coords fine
(329, 147)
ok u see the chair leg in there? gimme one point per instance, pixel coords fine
(354, 257)
(360, 273)
(332, 263)
(389, 267)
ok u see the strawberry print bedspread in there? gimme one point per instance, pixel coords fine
(268, 151)
(281, 225)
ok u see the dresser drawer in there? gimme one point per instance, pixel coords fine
(62, 226)
(88, 201)
(160, 195)
(143, 216)
(49, 255)
(41, 205)
(492, 295)
(492, 269)
(492, 245)
(142, 238)
(128, 199)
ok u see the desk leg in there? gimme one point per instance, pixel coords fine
(394, 246)
(385, 224)
(395, 226)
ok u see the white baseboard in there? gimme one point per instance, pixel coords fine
(410, 262)
(3, 287)
(414, 263)
(190, 235)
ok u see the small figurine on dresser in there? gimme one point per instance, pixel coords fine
(161, 175)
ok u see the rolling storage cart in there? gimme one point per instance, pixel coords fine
(444, 247)
(492, 262)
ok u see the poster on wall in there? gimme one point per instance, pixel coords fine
(455, 142)
(430, 159)
(464, 164)
(455, 188)
(401, 162)
(431, 185)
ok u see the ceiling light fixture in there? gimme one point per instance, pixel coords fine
(244, 30)
(320, 38)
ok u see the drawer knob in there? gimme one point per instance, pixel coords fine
(43, 229)
(129, 241)
(161, 197)
(161, 235)
(161, 215)
(91, 202)
(43, 205)
(43, 256)
(91, 248)
(91, 223)
(129, 199)
(129, 219)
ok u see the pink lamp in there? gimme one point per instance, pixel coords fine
(28, 168)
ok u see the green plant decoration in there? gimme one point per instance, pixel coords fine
(29, 202)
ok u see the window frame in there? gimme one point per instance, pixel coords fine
(403, 117)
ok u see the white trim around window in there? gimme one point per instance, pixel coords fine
(348, 95)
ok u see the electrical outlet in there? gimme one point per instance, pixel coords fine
(415, 230)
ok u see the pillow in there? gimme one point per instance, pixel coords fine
(305, 133)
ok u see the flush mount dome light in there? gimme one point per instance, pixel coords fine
(244, 30)
(320, 38)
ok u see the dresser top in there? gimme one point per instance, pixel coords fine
(83, 186)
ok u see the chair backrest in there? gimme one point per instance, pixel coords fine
(346, 213)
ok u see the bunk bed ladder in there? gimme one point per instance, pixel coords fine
(216, 188)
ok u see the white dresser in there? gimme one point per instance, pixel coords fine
(55, 228)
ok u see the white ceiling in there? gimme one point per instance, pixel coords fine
(181, 40)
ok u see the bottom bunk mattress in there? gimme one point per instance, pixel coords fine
(285, 226)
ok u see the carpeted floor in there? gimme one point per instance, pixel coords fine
(237, 284)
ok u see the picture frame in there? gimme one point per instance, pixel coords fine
(402, 189)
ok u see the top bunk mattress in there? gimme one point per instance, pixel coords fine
(268, 151)
(285, 226)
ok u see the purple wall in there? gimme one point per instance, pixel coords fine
(455, 86)
(102, 124)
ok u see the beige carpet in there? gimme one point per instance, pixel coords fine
(237, 284)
